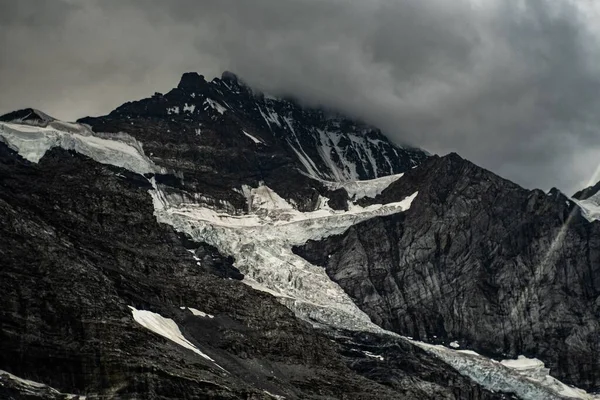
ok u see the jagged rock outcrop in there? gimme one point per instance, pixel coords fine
(80, 244)
(478, 260)
(587, 192)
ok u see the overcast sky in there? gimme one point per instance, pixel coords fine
(513, 85)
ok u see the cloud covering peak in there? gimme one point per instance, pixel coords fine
(510, 84)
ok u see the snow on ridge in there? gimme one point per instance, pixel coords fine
(189, 108)
(590, 207)
(367, 188)
(215, 105)
(32, 142)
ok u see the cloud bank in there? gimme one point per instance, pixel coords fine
(512, 85)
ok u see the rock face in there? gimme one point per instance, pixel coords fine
(481, 261)
(220, 134)
(80, 245)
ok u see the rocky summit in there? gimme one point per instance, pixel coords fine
(216, 242)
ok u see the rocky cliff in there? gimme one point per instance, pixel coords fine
(480, 261)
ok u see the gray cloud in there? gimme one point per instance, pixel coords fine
(510, 84)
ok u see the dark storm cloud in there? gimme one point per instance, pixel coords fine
(512, 85)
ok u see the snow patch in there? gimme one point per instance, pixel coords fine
(454, 345)
(34, 389)
(535, 370)
(173, 110)
(369, 188)
(165, 327)
(527, 379)
(189, 108)
(590, 207)
(216, 106)
(198, 313)
(254, 139)
(369, 354)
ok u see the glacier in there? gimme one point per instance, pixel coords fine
(261, 241)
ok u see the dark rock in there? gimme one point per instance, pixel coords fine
(191, 81)
(80, 244)
(503, 270)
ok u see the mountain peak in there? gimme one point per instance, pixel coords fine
(191, 81)
(230, 77)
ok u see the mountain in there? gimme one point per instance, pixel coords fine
(215, 242)
(481, 261)
(221, 134)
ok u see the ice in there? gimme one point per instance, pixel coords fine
(215, 105)
(254, 139)
(189, 108)
(522, 377)
(535, 370)
(590, 207)
(34, 389)
(369, 354)
(262, 241)
(32, 142)
(368, 188)
(198, 313)
(165, 327)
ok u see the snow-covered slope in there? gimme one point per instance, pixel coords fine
(590, 207)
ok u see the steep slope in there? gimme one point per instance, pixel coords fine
(98, 298)
(81, 245)
(480, 261)
(220, 134)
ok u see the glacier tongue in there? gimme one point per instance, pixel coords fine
(262, 246)
(526, 378)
